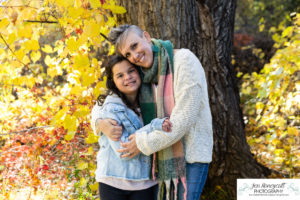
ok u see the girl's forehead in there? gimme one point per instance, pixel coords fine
(123, 65)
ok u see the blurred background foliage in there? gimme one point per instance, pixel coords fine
(50, 77)
(266, 58)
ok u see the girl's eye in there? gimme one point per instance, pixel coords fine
(119, 76)
(127, 55)
(131, 70)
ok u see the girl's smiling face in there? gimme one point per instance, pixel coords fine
(137, 49)
(126, 78)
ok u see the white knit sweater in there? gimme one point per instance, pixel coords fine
(191, 116)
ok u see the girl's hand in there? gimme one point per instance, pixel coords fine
(167, 125)
(110, 128)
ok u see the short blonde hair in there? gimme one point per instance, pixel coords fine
(118, 35)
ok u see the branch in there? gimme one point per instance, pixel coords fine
(1, 36)
(26, 130)
(24, 6)
(42, 22)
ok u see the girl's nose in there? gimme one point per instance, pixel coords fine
(127, 76)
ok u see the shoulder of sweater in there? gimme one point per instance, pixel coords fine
(181, 54)
(185, 60)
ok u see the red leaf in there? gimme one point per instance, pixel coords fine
(45, 167)
(59, 147)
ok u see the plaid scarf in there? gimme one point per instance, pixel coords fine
(168, 165)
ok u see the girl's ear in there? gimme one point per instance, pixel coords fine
(147, 36)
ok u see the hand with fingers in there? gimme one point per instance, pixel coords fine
(167, 125)
(129, 148)
(110, 128)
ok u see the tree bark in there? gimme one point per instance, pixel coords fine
(206, 28)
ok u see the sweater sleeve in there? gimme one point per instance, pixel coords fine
(96, 114)
(189, 78)
(155, 124)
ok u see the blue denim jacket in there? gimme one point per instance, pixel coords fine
(109, 161)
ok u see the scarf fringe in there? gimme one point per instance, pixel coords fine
(169, 189)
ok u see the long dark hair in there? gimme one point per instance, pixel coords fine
(108, 65)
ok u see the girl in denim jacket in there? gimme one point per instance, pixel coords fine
(123, 178)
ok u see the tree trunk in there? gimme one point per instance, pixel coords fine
(206, 28)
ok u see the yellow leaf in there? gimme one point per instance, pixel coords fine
(32, 45)
(20, 54)
(11, 38)
(261, 27)
(75, 12)
(94, 62)
(91, 29)
(95, 3)
(70, 123)
(59, 117)
(76, 90)
(292, 131)
(118, 10)
(30, 81)
(91, 139)
(94, 187)
(278, 152)
(64, 3)
(82, 111)
(4, 23)
(54, 70)
(48, 49)
(64, 53)
(88, 78)
(72, 44)
(81, 61)
(90, 151)
(25, 32)
(49, 61)
(82, 182)
(26, 60)
(82, 165)
(78, 4)
(70, 135)
(35, 56)
(100, 87)
(259, 107)
(288, 31)
(276, 142)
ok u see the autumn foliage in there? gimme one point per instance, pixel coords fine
(271, 104)
(50, 57)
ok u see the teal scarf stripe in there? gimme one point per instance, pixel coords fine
(149, 76)
(167, 45)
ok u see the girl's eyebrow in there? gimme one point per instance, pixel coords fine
(131, 67)
(119, 73)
